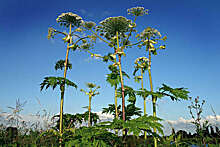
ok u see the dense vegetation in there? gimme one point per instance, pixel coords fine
(129, 127)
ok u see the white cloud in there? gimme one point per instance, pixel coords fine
(105, 116)
(185, 124)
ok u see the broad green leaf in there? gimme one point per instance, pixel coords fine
(54, 81)
(174, 93)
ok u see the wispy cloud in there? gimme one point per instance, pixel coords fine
(106, 13)
(43, 120)
(185, 124)
(86, 13)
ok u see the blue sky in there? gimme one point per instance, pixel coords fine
(191, 59)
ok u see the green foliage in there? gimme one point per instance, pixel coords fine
(134, 126)
(51, 33)
(174, 93)
(111, 109)
(173, 141)
(94, 117)
(91, 85)
(54, 81)
(114, 77)
(137, 79)
(128, 92)
(93, 136)
(130, 110)
(69, 120)
(74, 120)
(144, 93)
(109, 57)
(61, 64)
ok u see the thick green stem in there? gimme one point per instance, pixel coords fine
(89, 119)
(151, 88)
(142, 87)
(122, 89)
(121, 79)
(116, 103)
(63, 89)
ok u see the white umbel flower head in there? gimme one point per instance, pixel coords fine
(68, 18)
(137, 11)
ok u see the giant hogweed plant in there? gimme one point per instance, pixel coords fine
(150, 38)
(115, 32)
(141, 64)
(75, 39)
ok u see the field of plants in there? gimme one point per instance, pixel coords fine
(131, 125)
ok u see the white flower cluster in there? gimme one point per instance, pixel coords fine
(141, 62)
(137, 11)
(119, 23)
(110, 19)
(68, 14)
(65, 19)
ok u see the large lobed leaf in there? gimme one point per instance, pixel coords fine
(111, 109)
(129, 92)
(54, 81)
(174, 93)
(114, 77)
(135, 126)
(93, 136)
